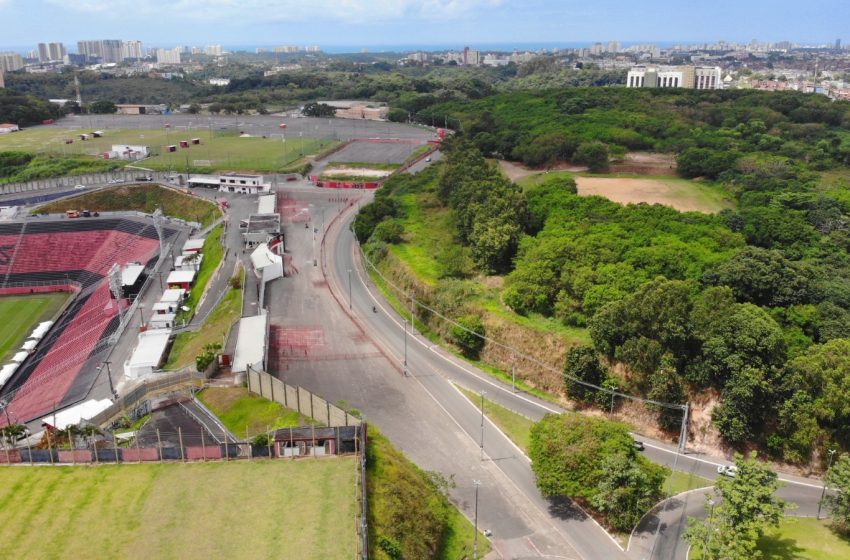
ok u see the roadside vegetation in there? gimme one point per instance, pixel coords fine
(140, 198)
(744, 314)
(213, 252)
(20, 167)
(410, 515)
(246, 414)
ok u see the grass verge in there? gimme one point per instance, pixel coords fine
(140, 198)
(213, 252)
(516, 426)
(804, 538)
(680, 481)
(236, 510)
(409, 513)
(248, 414)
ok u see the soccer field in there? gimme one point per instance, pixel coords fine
(20, 314)
(217, 150)
(239, 509)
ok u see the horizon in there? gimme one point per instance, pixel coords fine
(424, 24)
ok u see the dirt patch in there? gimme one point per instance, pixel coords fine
(635, 191)
(355, 172)
(516, 171)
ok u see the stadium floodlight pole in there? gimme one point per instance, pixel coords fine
(476, 483)
(482, 424)
(823, 491)
(109, 377)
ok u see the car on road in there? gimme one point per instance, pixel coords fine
(639, 445)
(428, 159)
(727, 470)
(115, 181)
(80, 187)
(86, 214)
(144, 178)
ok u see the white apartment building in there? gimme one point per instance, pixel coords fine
(132, 49)
(688, 77)
(213, 50)
(10, 61)
(168, 56)
(48, 52)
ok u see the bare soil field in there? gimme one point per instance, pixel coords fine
(685, 196)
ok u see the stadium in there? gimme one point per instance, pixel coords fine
(74, 258)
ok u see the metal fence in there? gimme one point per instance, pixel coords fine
(298, 398)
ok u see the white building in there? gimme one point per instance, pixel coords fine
(689, 77)
(250, 343)
(132, 49)
(148, 353)
(168, 56)
(219, 81)
(10, 61)
(245, 183)
(121, 151)
(48, 52)
(213, 50)
(708, 77)
(8, 127)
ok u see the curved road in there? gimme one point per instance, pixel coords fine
(437, 370)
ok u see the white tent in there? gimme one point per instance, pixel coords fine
(6, 372)
(29, 345)
(41, 330)
(148, 354)
(250, 343)
(20, 357)
(72, 416)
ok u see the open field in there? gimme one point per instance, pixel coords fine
(679, 481)
(804, 538)
(681, 194)
(142, 198)
(20, 314)
(374, 152)
(246, 413)
(223, 150)
(237, 509)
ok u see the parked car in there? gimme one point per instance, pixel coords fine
(72, 213)
(86, 214)
(727, 470)
(80, 187)
(639, 445)
(428, 159)
(144, 178)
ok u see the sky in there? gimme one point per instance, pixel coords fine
(371, 23)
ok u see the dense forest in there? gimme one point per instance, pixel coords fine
(25, 110)
(751, 305)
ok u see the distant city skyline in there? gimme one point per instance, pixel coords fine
(418, 23)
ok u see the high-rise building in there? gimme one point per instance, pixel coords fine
(10, 61)
(92, 50)
(471, 57)
(689, 77)
(213, 50)
(838, 44)
(132, 49)
(168, 56)
(50, 51)
(111, 50)
(2, 80)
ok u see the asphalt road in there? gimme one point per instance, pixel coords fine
(435, 369)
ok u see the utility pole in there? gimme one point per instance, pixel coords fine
(613, 393)
(476, 483)
(405, 347)
(823, 491)
(482, 424)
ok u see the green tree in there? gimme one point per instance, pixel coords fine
(469, 335)
(594, 155)
(748, 507)
(102, 107)
(838, 501)
(193, 109)
(583, 366)
(314, 109)
(628, 488)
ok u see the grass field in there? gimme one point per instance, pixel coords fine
(804, 538)
(678, 482)
(20, 314)
(246, 413)
(221, 150)
(238, 509)
(681, 194)
(142, 198)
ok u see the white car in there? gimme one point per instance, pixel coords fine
(116, 181)
(727, 470)
(80, 187)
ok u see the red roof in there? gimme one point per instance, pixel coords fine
(7, 125)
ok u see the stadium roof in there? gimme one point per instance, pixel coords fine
(130, 274)
(180, 276)
(173, 295)
(193, 245)
(266, 204)
(75, 414)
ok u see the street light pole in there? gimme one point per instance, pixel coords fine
(513, 371)
(613, 392)
(482, 424)
(405, 347)
(711, 504)
(823, 491)
(476, 483)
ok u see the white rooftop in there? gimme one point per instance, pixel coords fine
(163, 306)
(263, 257)
(172, 295)
(29, 345)
(266, 204)
(41, 329)
(250, 342)
(192, 245)
(150, 349)
(130, 274)
(180, 276)
(72, 416)
(6, 372)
